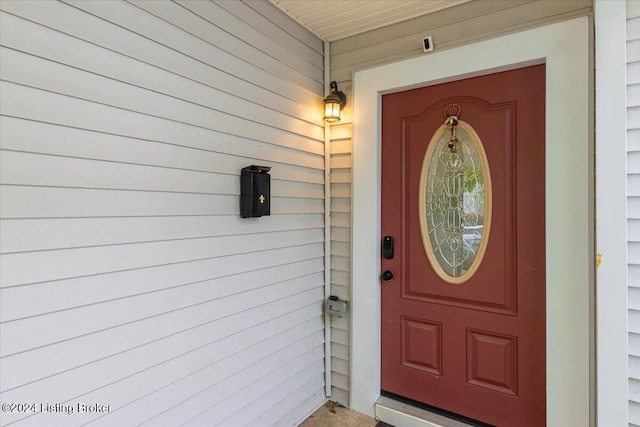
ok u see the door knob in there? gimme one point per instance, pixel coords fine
(387, 276)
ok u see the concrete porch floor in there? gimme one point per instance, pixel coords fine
(333, 415)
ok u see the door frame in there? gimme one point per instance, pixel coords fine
(564, 48)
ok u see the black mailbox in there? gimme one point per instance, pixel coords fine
(255, 191)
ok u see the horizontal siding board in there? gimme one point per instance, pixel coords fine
(634, 252)
(340, 351)
(633, 27)
(634, 321)
(634, 275)
(208, 386)
(343, 324)
(32, 137)
(183, 30)
(202, 345)
(18, 302)
(634, 344)
(340, 234)
(256, 41)
(39, 105)
(21, 235)
(341, 264)
(184, 100)
(340, 249)
(18, 269)
(633, 117)
(633, 185)
(31, 169)
(186, 317)
(340, 396)
(147, 369)
(634, 367)
(341, 279)
(258, 27)
(633, 230)
(280, 408)
(633, 50)
(303, 409)
(119, 95)
(633, 95)
(289, 26)
(297, 404)
(339, 380)
(340, 205)
(341, 161)
(632, 9)
(633, 139)
(56, 202)
(341, 146)
(633, 73)
(51, 202)
(57, 171)
(633, 162)
(241, 411)
(341, 337)
(634, 300)
(175, 30)
(215, 86)
(339, 290)
(340, 176)
(200, 150)
(342, 132)
(340, 219)
(148, 384)
(60, 326)
(311, 380)
(340, 366)
(634, 414)
(633, 207)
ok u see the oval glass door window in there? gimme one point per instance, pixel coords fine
(455, 203)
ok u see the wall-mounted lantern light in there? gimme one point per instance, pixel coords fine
(333, 103)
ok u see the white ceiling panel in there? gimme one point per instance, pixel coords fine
(335, 19)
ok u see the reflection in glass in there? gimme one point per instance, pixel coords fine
(455, 203)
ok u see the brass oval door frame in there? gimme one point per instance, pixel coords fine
(424, 228)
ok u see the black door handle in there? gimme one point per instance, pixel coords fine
(387, 276)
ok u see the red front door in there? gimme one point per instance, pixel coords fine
(463, 318)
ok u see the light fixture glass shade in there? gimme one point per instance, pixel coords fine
(332, 110)
(333, 104)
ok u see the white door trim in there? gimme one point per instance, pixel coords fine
(564, 47)
(611, 212)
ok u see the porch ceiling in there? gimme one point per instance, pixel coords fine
(335, 19)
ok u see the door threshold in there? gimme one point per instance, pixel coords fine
(401, 414)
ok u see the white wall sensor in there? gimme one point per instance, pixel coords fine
(427, 44)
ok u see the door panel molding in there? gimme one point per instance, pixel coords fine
(564, 47)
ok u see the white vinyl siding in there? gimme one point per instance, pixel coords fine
(460, 25)
(340, 257)
(128, 278)
(633, 205)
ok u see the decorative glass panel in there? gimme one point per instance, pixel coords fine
(455, 202)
